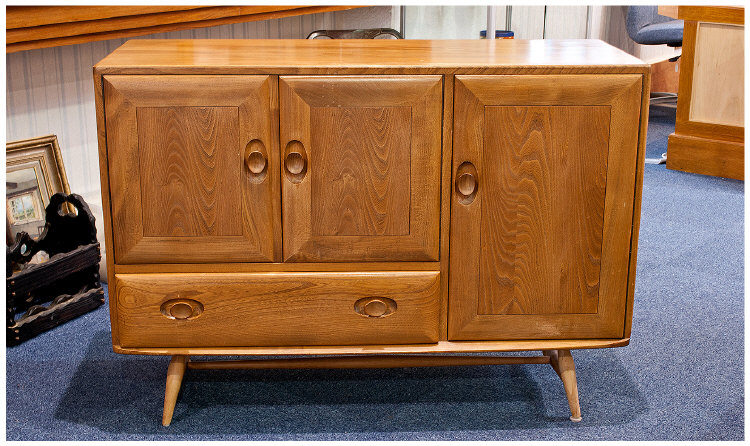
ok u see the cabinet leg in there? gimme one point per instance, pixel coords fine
(175, 373)
(567, 370)
(553, 361)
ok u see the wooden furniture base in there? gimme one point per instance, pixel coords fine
(706, 156)
(560, 360)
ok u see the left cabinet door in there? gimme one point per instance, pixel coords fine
(193, 168)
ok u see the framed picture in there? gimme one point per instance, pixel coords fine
(35, 172)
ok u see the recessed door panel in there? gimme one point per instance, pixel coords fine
(544, 179)
(186, 177)
(363, 187)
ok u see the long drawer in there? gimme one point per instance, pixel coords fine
(277, 309)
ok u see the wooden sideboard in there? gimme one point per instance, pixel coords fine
(384, 201)
(709, 136)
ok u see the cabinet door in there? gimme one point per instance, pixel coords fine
(361, 167)
(193, 168)
(542, 205)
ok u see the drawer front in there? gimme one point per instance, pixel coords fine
(277, 309)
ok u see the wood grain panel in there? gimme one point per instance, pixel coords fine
(717, 14)
(718, 84)
(621, 94)
(363, 187)
(340, 56)
(27, 16)
(277, 309)
(217, 180)
(543, 209)
(189, 172)
(362, 104)
(135, 18)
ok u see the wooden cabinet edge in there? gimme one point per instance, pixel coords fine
(439, 347)
(292, 267)
(368, 70)
(637, 201)
(104, 186)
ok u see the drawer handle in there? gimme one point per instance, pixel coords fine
(466, 182)
(295, 161)
(256, 160)
(181, 309)
(375, 306)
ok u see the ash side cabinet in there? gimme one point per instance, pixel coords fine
(384, 201)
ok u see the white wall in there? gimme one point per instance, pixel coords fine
(532, 22)
(465, 22)
(447, 22)
(51, 90)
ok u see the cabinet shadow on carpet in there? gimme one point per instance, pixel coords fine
(125, 393)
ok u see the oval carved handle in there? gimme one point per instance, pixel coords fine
(181, 309)
(466, 182)
(256, 162)
(295, 161)
(375, 306)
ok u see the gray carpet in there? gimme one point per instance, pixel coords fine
(681, 378)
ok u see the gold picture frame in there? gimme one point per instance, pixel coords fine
(34, 172)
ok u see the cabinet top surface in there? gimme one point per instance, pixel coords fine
(294, 55)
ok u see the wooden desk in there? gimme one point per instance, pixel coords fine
(709, 131)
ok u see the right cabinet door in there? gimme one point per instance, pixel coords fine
(544, 173)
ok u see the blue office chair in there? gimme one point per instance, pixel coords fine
(369, 33)
(647, 27)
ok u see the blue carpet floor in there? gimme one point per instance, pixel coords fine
(681, 377)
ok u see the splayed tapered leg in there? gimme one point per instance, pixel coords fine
(175, 372)
(562, 362)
